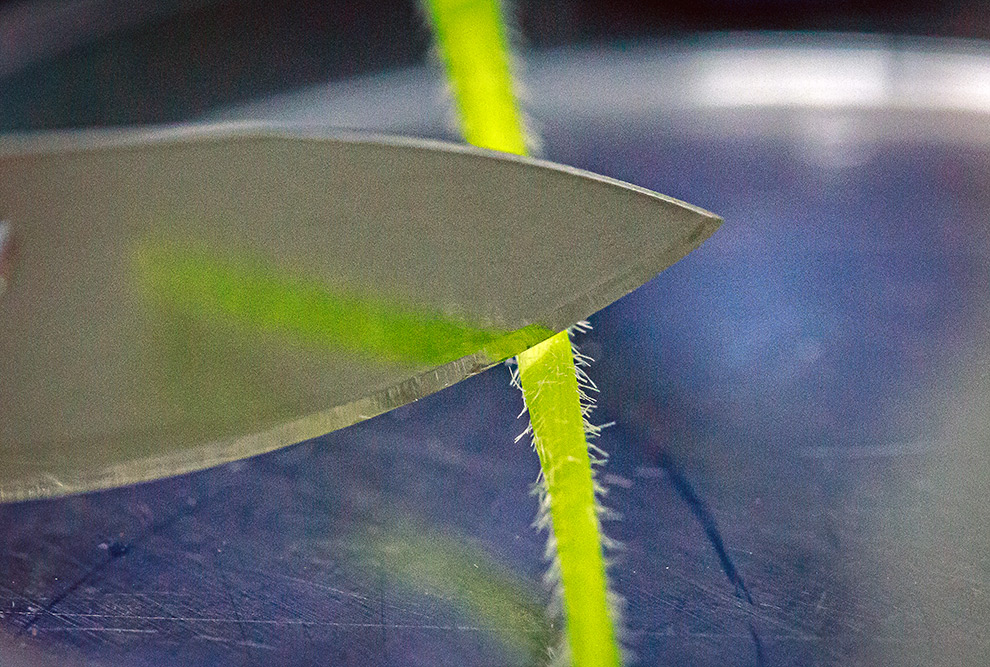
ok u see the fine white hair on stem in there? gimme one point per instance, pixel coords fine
(598, 457)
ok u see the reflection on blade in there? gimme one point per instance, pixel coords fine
(220, 318)
(257, 299)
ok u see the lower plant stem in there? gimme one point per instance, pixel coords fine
(550, 389)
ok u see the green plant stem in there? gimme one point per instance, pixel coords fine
(474, 48)
(550, 388)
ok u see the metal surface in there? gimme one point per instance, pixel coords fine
(186, 297)
(801, 410)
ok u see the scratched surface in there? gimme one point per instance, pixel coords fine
(801, 458)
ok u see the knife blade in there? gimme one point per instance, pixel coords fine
(181, 297)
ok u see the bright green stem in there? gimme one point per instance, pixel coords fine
(550, 389)
(473, 43)
(474, 48)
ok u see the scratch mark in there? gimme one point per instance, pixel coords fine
(277, 622)
(289, 608)
(114, 552)
(250, 643)
(305, 582)
(77, 628)
(234, 607)
(381, 614)
(705, 518)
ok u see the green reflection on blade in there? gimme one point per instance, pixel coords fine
(242, 290)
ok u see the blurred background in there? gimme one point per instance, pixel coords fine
(801, 455)
(106, 62)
